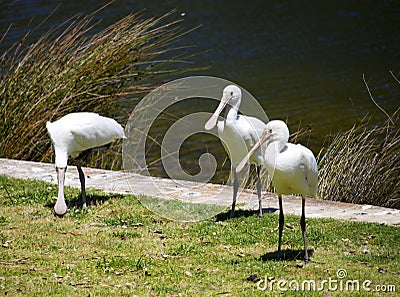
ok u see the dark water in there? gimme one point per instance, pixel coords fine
(303, 60)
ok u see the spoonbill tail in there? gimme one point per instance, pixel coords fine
(74, 134)
(238, 134)
(292, 168)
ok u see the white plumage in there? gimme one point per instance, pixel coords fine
(73, 134)
(291, 167)
(238, 134)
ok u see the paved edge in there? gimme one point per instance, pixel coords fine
(129, 183)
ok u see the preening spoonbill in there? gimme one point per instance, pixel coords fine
(76, 133)
(238, 134)
(292, 168)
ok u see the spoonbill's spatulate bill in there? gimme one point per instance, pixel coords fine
(76, 133)
(292, 168)
(238, 134)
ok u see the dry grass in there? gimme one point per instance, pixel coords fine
(362, 165)
(71, 69)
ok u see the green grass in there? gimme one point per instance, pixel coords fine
(118, 247)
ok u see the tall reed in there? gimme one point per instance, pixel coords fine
(362, 165)
(71, 69)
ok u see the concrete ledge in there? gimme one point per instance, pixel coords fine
(129, 183)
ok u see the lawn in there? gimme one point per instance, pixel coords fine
(119, 248)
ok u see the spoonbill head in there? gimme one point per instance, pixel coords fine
(238, 134)
(74, 134)
(291, 167)
(231, 95)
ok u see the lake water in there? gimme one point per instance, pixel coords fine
(303, 60)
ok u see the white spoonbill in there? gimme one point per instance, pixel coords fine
(76, 133)
(292, 168)
(238, 134)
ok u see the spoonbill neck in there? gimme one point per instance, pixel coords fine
(61, 158)
(274, 147)
(231, 112)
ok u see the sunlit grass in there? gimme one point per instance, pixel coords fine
(118, 247)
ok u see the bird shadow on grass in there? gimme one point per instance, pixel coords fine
(91, 200)
(245, 213)
(286, 255)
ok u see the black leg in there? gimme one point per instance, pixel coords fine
(235, 191)
(303, 228)
(281, 222)
(82, 180)
(258, 186)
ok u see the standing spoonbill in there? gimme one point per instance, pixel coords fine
(238, 134)
(74, 134)
(292, 168)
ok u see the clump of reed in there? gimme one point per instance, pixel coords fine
(362, 165)
(70, 68)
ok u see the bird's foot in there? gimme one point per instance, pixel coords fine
(260, 214)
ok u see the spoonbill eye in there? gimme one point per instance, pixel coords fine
(231, 93)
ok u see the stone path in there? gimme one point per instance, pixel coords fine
(123, 182)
